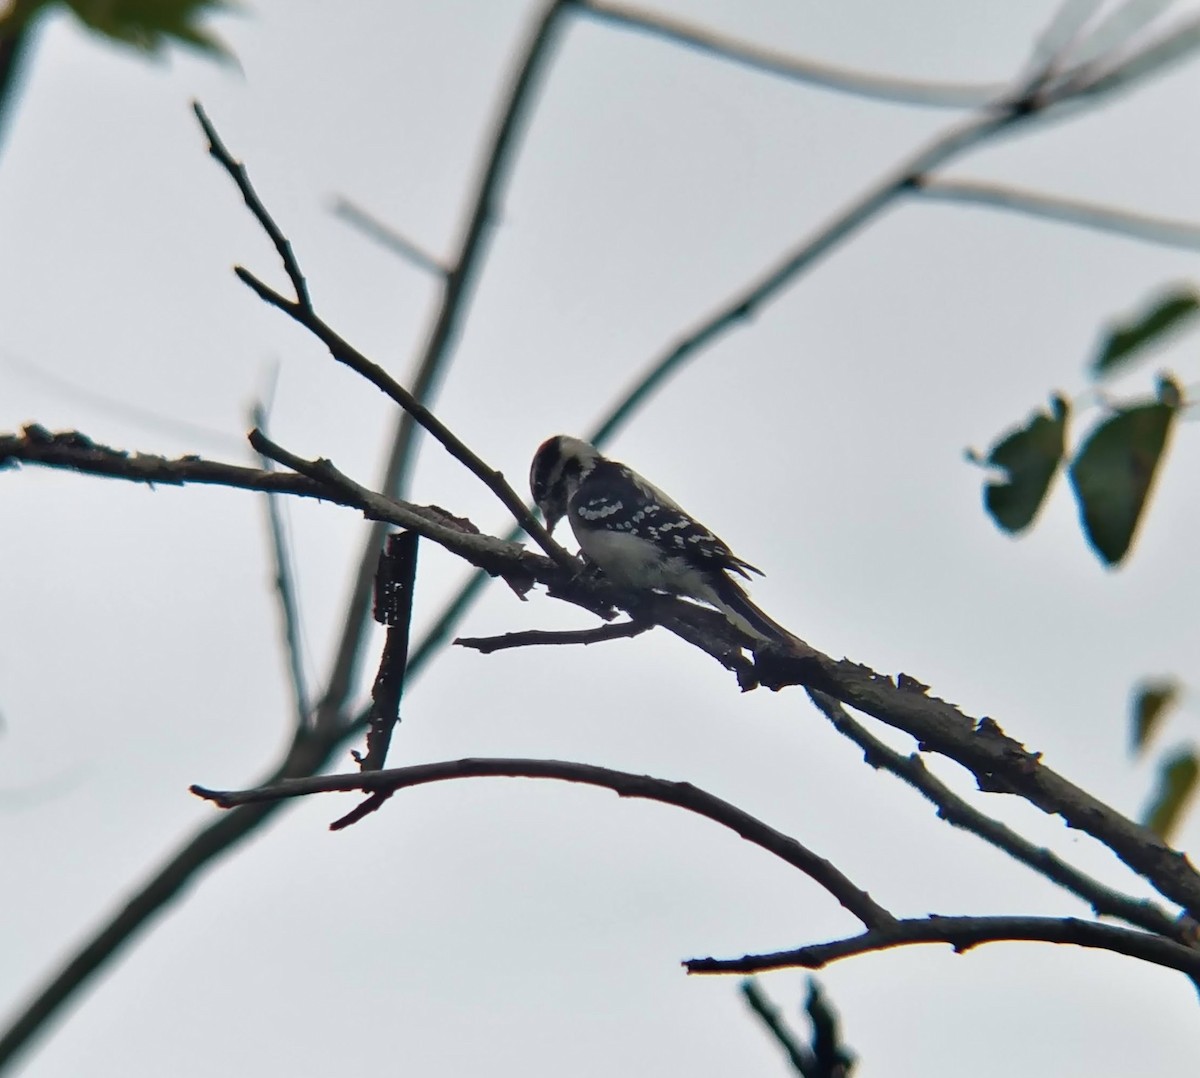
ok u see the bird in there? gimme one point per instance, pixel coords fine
(640, 538)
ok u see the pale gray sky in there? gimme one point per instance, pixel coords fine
(526, 928)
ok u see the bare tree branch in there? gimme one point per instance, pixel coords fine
(773, 62)
(395, 585)
(1169, 232)
(680, 794)
(285, 590)
(963, 933)
(622, 630)
(237, 172)
(333, 727)
(301, 310)
(954, 810)
(999, 763)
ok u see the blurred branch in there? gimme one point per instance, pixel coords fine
(285, 589)
(127, 411)
(963, 933)
(386, 236)
(827, 1057)
(774, 62)
(954, 810)
(1164, 230)
(304, 756)
(515, 102)
(679, 794)
(1112, 72)
(797, 1053)
(1053, 44)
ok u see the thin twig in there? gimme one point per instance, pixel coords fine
(679, 794)
(386, 236)
(956, 811)
(345, 353)
(237, 172)
(1170, 232)
(963, 933)
(285, 590)
(458, 536)
(774, 62)
(621, 630)
(301, 311)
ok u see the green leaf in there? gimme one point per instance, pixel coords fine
(1114, 470)
(1030, 456)
(1176, 786)
(1125, 340)
(151, 25)
(1151, 701)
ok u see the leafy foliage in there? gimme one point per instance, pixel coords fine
(1030, 455)
(147, 25)
(1176, 786)
(1151, 702)
(1126, 341)
(1115, 468)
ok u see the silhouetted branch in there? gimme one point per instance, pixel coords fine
(963, 933)
(237, 173)
(680, 794)
(395, 583)
(622, 630)
(301, 311)
(958, 812)
(999, 763)
(346, 353)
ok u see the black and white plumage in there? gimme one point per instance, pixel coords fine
(638, 537)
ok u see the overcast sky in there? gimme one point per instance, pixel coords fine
(524, 928)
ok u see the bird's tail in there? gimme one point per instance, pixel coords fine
(731, 599)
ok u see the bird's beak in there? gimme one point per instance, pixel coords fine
(551, 515)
